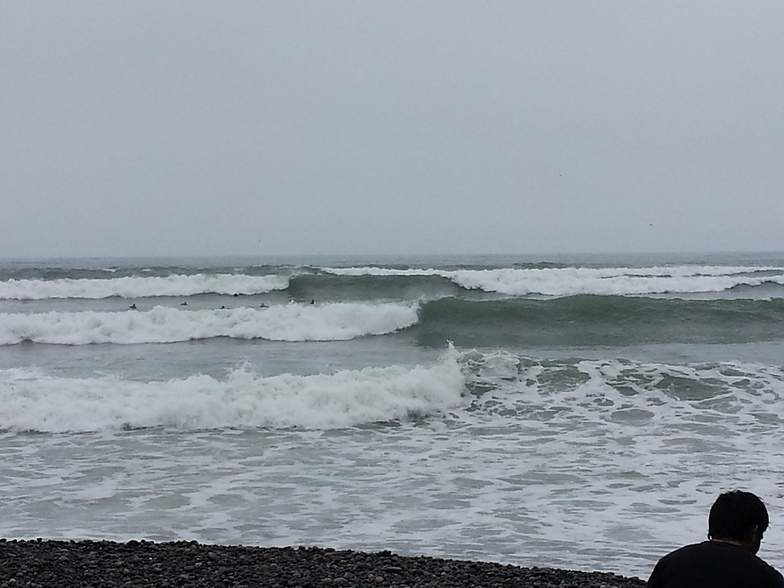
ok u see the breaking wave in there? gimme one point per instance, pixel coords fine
(289, 322)
(35, 401)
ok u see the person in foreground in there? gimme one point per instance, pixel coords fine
(736, 523)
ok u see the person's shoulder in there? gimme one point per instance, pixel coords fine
(675, 560)
(690, 549)
(772, 575)
(750, 564)
(689, 565)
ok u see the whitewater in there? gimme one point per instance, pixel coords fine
(162, 324)
(574, 412)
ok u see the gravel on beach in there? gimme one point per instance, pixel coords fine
(141, 564)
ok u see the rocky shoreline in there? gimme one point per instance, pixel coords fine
(141, 564)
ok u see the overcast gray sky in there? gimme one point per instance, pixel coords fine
(268, 127)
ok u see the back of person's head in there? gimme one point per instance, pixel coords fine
(735, 515)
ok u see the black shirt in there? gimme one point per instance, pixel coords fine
(713, 564)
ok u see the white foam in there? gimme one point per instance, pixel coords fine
(601, 281)
(35, 401)
(141, 287)
(290, 322)
(625, 394)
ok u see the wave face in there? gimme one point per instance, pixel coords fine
(600, 320)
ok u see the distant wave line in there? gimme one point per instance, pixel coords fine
(141, 287)
(561, 282)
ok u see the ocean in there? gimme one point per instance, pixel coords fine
(580, 412)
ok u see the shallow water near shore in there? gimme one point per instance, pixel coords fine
(570, 413)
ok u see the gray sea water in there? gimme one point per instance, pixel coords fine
(578, 412)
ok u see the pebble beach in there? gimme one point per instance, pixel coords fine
(142, 564)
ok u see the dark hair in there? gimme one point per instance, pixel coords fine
(735, 514)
